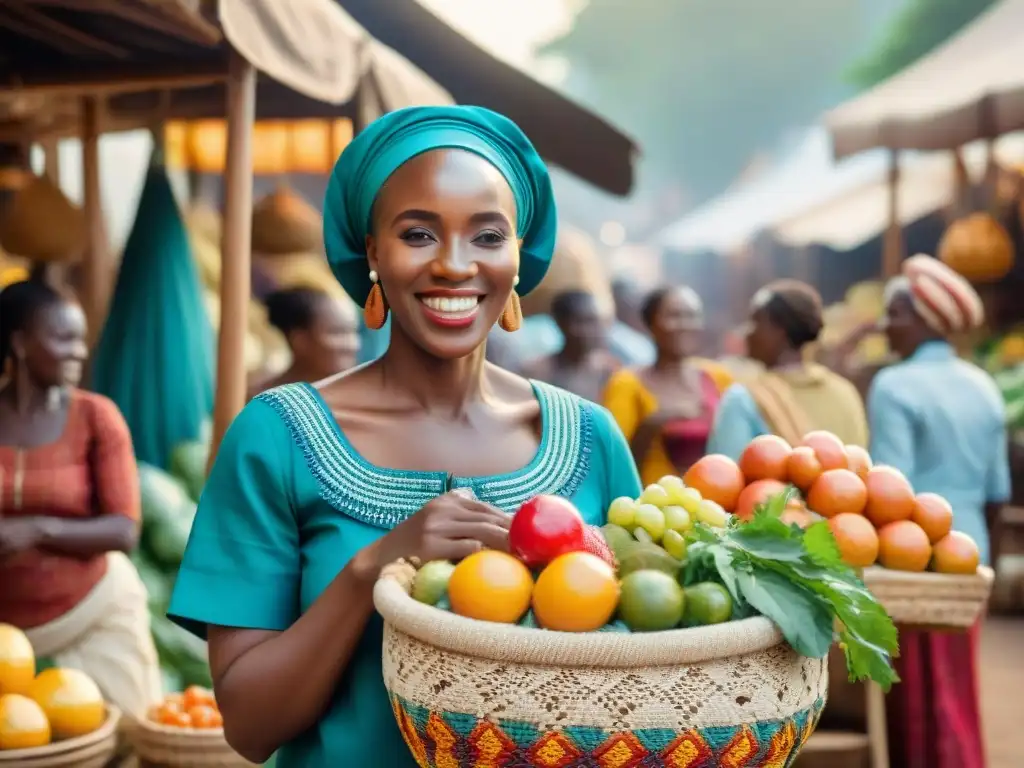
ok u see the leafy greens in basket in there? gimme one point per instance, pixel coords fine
(797, 579)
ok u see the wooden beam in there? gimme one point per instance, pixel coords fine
(892, 243)
(235, 279)
(200, 31)
(98, 270)
(32, 23)
(112, 81)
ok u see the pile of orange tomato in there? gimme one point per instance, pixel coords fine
(196, 707)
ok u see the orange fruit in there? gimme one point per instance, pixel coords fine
(956, 552)
(23, 724)
(890, 497)
(490, 586)
(576, 592)
(71, 700)
(205, 716)
(195, 696)
(765, 458)
(717, 478)
(175, 718)
(837, 492)
(934, 514)
(17, 661)
(757, 493)
(856, 539)
(828, 448)
(904, 546)
(859, 461)
(798, 516)
(803, 467)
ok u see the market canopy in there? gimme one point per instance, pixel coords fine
(972, 87)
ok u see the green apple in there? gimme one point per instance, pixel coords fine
(677, 518)
(656, 495)
(651, 519)
(622, 512)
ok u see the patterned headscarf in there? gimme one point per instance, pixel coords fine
(945, 300)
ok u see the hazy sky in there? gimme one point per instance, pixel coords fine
(507, 28)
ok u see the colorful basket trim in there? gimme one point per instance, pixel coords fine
(446, 740)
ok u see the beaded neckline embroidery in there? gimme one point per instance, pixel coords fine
(385, 497)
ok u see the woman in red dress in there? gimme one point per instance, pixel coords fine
(69, 505)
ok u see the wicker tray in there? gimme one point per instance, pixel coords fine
(93, 750)
(520, 695)
(164, 745)
(933, 600)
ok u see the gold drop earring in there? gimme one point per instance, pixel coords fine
(512, 315)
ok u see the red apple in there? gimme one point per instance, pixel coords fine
(544, 528)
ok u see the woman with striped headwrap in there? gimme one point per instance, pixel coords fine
(938, 419)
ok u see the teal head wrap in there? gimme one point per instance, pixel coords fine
(394, 139)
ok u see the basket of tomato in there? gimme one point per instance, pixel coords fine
(185, 730)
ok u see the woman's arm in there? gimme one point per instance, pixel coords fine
(87, 537)
(737, 422)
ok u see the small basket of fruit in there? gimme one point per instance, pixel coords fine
(922, 571)
(672, 635)
(185, 730)
(52, 719)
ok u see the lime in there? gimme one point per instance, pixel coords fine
(677, 519)
(656, 495)
(690, 499)
(675, 488)
(650, 601)
(674, 543)
(707, 603)
(431, 581)
(650, 519)
(622, 512)
(636, 556)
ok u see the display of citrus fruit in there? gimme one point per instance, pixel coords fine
(837, 492)
(890, 496)
(765, 458)
(576, 592)
(23, 724)
(856, 538)
(904, 546)
(934, 514)
(798, 516)
(717, 478)
(828, 448)
(17, 660)
(706, 603)
(803, 467)
(71, 700)
(490, 586)
(651, 601)
(205, 716)
(859, 461)
(956, 552)
(197, 696)
(755, 494)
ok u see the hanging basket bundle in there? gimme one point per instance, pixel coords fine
(41, 224)
(978, 247)
(576, 266)
(283, 223)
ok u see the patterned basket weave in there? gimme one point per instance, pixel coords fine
(468, 693)
(94, 750)
(934, 600)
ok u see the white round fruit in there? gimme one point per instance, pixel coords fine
(622, 512)
(651, 519)
(677, 518)
(656, 495)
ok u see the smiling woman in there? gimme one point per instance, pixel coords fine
(439, 218)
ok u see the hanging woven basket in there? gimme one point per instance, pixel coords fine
(283, 223)
(576, 266)
(41, 224)
(978, 247)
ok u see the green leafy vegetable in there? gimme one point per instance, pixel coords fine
(798, 579)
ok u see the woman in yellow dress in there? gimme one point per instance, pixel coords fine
(791, 396)
(666, 409)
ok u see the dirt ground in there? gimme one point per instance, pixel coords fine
(1002, 684)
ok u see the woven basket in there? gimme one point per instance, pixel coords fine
(466, 693)
(170, 747)
(283, 223)
(933, 600)
(41, 224)
(94, 750)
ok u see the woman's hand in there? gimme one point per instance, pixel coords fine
(18, 535)
(450, 527)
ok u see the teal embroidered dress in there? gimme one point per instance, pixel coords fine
(289, 501)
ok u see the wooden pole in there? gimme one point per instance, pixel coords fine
(51, 159)
(235, 279)
(892, 246)
(97, 268)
